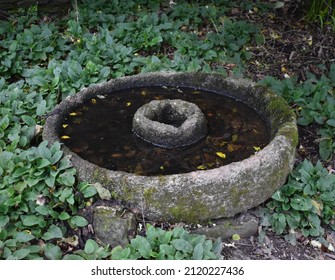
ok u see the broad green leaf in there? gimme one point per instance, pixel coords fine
(3, 221)
(142, 245)
(89, 191)
(53, 232)
(52, 252)
(79, 221)
(31, 220)
(19, 254)
(182, 245)
(167, 250)
(73, 257)
(118, 253)
(64, 216)
(44, 151)
(23, 237)
(198, 252)
(90, 247)
(28, 120)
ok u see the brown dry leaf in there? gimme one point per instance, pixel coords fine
(233, 147)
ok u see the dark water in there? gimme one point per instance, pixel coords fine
(100, 131)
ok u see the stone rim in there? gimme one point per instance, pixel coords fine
(198, 195)
(191, 127)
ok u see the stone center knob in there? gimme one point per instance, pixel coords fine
(170, 123)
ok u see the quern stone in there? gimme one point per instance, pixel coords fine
(199, 195)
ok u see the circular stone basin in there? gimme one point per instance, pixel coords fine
(199, 195)
(170, 123)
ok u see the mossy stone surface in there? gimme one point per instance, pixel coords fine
(200, 195)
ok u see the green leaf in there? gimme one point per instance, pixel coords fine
(53, 232)
(44, 151)
(3, 221)
(31, 220)
(23, 237)
(28, 120)
(73, 257)
(67, 178)
(182, 245)
(19, 254)
(301, 203)
(198, 252)
(64, 216)
(56, 157)
(167, 250)
(118, 253)
(79, 221)
(278, 196)
(89, 191)
(142, 245)
(52, 252)
(41, 108)
(90, 247)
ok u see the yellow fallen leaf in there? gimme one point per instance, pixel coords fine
(201, 167)
(128, 104)
(64, 137)
(65, 125)
(93, 101)
(161, 167)
(257, 148)
(236, 237)
(221, 155)
(72, 114)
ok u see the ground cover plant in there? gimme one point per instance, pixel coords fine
(44, 59)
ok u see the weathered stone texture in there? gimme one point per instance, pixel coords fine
(200, 195)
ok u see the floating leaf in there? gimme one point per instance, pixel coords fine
(72, 114)
(257, 148)
(201, 167)
(65, 125)
(93, 101)
(128, 104)
(65, 137)
(221, 155)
